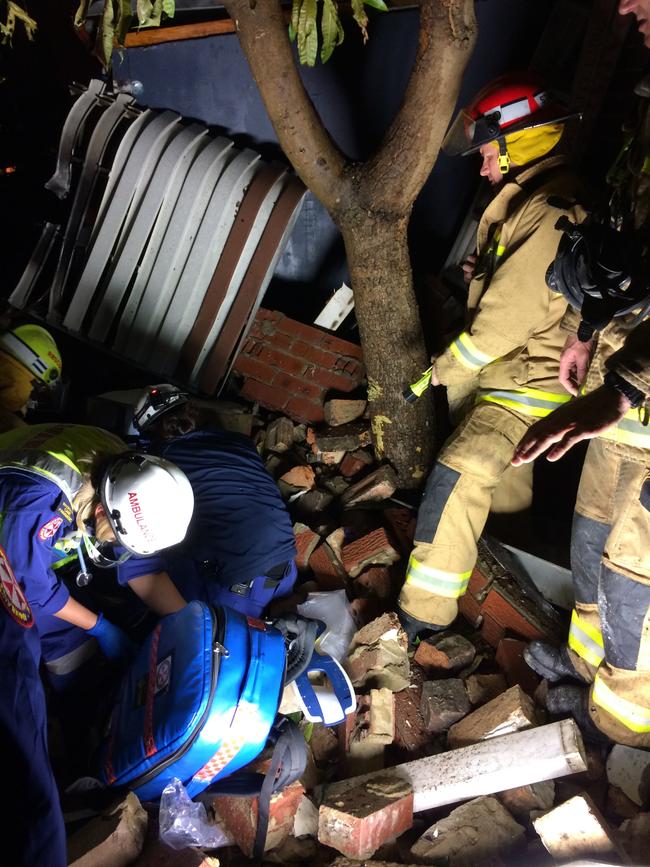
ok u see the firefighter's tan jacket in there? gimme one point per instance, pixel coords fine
(513, 337)
(623, 346)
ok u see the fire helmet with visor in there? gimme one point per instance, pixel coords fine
(517, 113)
(35, 349)
(148, 502)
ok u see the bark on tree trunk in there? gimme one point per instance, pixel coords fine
(371, 202)
(387, 313)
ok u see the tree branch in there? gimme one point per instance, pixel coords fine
(263, 36)
(446, 39)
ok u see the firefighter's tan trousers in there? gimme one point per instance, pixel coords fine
(609, 638)
(454, 509)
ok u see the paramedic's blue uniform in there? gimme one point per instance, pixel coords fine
(33, 830)
(240, 548)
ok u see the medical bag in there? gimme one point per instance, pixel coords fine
(197, 703)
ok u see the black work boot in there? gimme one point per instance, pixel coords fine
(417, 629)
(574, 701)
(553, 663)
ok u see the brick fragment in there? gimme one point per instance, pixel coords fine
(401, 524)
(386, 627)
(373, 549)
(521, 800)
(512, 711)
(346, 438)
(373, 488)
(482, 688)
(472, 833)
(299, 478)
(383, 664)
(470, 603)
(314, 502)
(328, 458)
(375, 581)
(365, 609)
(323, 743)
(239, 817)
(306, 542)
(279, 435)
(115, 837)
(634, 836)
(618, 806)
(576, 829)
(629, 769)
(335, 485)
(443, 703)
(338, 412)
(356, 461)
(299, 408)
(327, 569)
(510, 659)
(336, 540)
(359, 821)
(446, 652)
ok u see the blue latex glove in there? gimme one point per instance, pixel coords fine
(113, 643)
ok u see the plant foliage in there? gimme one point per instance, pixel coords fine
(117, 19)
(308, 17)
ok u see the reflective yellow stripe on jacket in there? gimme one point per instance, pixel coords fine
(586, 640)
(527, 401)
(631, 429)
(635, 717)
(449, 584)
(464, 349)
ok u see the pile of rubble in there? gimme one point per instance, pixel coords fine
(450, 756)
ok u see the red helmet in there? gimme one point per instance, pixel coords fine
(508, 104)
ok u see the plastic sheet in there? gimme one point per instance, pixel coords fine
(184, 823)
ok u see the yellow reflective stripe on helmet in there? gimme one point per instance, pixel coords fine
(468, 354)
(635, 717)
(586, 640)
(449, 584)
(527, 401)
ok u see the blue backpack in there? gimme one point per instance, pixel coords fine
(198, 702)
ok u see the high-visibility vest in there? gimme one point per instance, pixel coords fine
(60, 453)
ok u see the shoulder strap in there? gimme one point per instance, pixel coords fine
(288, 763)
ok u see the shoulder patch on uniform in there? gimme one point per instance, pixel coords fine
(12, 596)
(49, 528)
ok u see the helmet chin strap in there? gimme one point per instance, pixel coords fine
(504, 159)
(92, 548)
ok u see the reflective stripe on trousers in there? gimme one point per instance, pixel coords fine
(635, 717)
(468, 354)
(449, 584)
(586, 640)
(527, 401)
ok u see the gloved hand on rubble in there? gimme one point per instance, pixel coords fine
(113, 642)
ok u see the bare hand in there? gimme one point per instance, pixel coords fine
(434, 376)
(469, 267)
(581, 419)
(574, 363)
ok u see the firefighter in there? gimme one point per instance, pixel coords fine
(33, 825)
(609, 639)
(508, 354)
(30, 362)
(240, 545)
(67, 491)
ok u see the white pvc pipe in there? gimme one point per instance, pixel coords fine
(537, 754)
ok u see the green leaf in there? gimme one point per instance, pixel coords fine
(296, 716)
(295, 18)
(307, 33)
(292, 33)
(144, 10)
(107, 34)
(80, 14)
(359, 14)
(308, 731)
(123, 21)
(377, 4)
(331, 29)
(169, 8)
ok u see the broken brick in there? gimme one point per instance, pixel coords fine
(401, 524)
(373, 488)
(471, 834)
(365, 609)
(634, 835)
(443, 703)
(324, 743)
(345, 438)
(375, 581)
(239, 817)
(115, 837)
(306, 542)
(338, 412)
(314, 502)
(383, 664)
(618, 806)
(279, 435)
(447, 652)
(576, 829)
(301, 478)
(336, 540)
(470, 603)
(482, 688)
(327, 569)
(354, 462)
(387, 627)
(335, 485)
(373, 549)
(359, 821)
(510, 659)
(521, 800)
(512, 711)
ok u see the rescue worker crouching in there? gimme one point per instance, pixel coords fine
(240, 547)
(30, 361)
(509, 352)
(65, 490)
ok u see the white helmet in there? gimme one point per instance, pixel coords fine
(156, 400)
(148, 501)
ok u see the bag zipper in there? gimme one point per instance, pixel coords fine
(218, 650)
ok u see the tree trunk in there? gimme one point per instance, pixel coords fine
(387, 313)
(371, 202)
